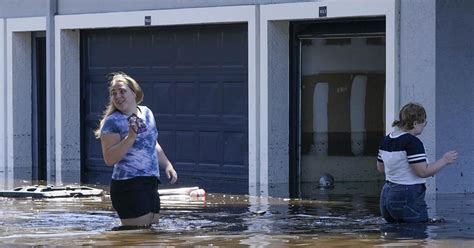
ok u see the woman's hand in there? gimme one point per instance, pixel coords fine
(171, 174)
(132, 128)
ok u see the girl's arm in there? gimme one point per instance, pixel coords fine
(424, 169)
(166, 164)
(114, 149)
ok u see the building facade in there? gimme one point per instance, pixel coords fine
(250, 97)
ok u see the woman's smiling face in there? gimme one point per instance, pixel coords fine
(122, 97)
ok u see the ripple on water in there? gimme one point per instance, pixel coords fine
(228, 221)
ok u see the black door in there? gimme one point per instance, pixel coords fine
(38, 96)
(194, 80)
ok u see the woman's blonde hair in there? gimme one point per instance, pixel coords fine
(409, 114)
(110, 108)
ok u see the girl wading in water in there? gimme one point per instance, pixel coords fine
(402, 157)
(128, 135)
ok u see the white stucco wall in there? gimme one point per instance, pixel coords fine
(3, 104)
(18, 97)
(94, 6)
(67, 107)
(277, 171)
(253, 102)
(19, 112)
(22, 8)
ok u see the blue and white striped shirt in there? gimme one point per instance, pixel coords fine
(397, 153)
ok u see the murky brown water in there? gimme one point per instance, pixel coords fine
(328, 218)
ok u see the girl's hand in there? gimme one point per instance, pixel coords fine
(132, 129)
(171, 174)
(450, 157)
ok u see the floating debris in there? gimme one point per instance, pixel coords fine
(50, 191)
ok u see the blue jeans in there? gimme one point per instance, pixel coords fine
(403, 203)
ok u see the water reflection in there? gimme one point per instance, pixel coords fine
(404, 231)
(327, 218)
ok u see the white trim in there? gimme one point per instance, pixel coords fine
(253, 103)
(57, 106)
(28, 24)
(263, 90)
(158, 17)
(335, 9)
(392, 64)
(14, 25)
(3, 97)
(211, 15)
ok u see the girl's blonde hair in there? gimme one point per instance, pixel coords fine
(410, 113)
(110, 108)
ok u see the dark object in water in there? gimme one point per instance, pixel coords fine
(52, 191)
(130, 228)
(326, 181)
(259, 212)
(436, 220)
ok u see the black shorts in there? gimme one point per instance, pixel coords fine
(135, 197)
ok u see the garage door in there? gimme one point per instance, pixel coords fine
(195, 81)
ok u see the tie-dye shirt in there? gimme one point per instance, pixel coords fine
(141, 159)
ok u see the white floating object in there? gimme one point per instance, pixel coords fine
(177, 191)
(40, 191)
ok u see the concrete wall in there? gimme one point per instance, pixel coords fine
(22, 8)
(32, 8)
(417, 65)
(68, 139)
(454, 92)
(3, 105)
(97, 6)
(18, 98)
(278, 108)
(19, 107)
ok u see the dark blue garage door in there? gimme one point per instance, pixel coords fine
(195, 81)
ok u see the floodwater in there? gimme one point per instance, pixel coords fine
(345, 216)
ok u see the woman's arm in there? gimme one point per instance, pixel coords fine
(380, 167)
(166, 164)
(424, 169)
(114, 149)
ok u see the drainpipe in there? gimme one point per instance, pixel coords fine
(50, 96)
